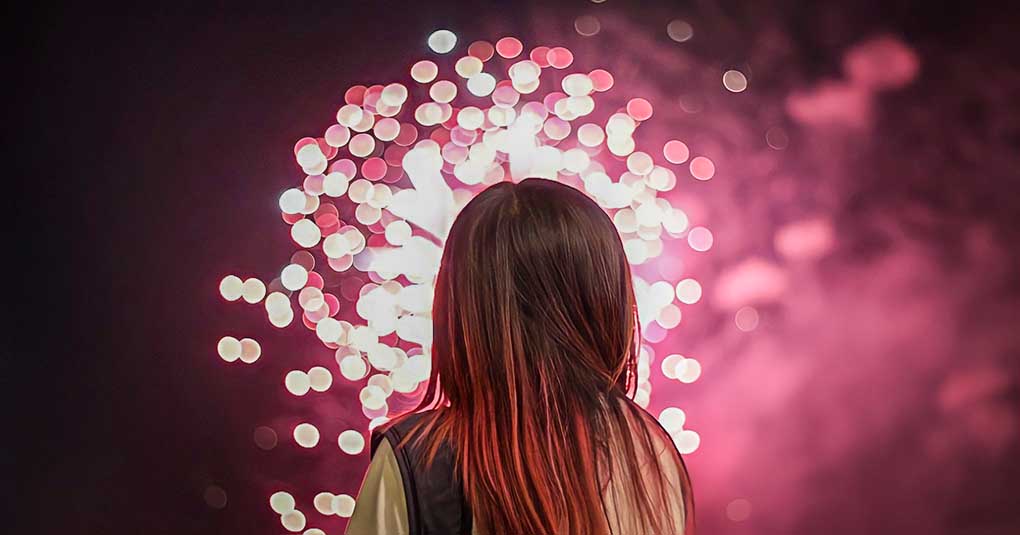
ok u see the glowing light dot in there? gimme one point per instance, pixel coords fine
(372, 397)
(576, 160)
(306, 435)
(577, 84)
(676, 151)
(360, 190)
(559, 57)
(601, 80)
(343, 504)
(373, 168)
(556, 129)
(524, 72)
(393, 95)
(746, 319)
(329, 330)
(335, 246)
(382, 356)
(349, 115)
(424, 71)
(688, 291)
(443, 91)
(687, 441)
(671, 364)
(679, 30)
(672, 419)
(355, 94)
(292, 201)
(675, 221)
(442, 41)
(306, 233)
(353, 367)
(734, 81)
(381, 195)
(620, 145)
(640, 163)
(309, 155)
(470, 118)
(700, 239)
(661, 179)
(319, 379)
(669, 316)
(738, 510)
(351, 442)
(294, 277)
(688, 371)
(231, 287)
(293, 521)
(702, 168)
(265, 437)
(509, 47)
(277, 304)
(587, 25)
(620, 125)
(481, 84)
(310, 298)
(361, 145)
(367, 214)
(468, 66)
(229, 348)
(282, 502)
(323, 503)
(297, 382)
(590, 135)
(639, 108)
(337, 135)
(482, 50)
(250, 350)
(398, 232)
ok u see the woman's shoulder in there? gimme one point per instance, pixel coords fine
(398, 427)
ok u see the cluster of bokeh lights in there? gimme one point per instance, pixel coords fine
(383, 184)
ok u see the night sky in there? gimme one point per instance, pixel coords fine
(150, 149)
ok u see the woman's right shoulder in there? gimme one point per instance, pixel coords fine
(400, 426)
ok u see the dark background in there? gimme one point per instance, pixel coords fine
(151, 144)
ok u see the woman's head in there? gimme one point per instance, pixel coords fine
(535, 339)
(534, 287)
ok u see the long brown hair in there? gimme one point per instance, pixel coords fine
(534, 362)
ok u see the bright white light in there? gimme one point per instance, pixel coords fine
(294, 277)
(481, 84)
(688, 291)
(297, 382)
(229, 348)
(231, 288)
(343, 504)
(319, 379)
(282, 502)
(672, 419)
(351, 442)
(306, 435)
(442, 41)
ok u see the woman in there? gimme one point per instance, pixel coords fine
(527, 425)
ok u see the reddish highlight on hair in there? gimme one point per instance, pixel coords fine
(534, 364)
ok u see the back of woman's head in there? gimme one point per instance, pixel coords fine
(535, 342)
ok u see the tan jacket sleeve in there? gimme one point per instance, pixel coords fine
(380, 508)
